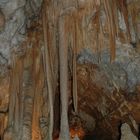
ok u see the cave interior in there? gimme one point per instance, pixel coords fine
(69, 69)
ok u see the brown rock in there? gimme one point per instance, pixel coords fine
(2, 20)
(4, 95)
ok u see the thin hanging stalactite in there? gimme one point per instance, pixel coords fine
(19, 98)
(122, 6)
(47, 70)
(52, 44)
(39, 83)
(101, 38)
(75, 96)
(63, 58)
(12, 91)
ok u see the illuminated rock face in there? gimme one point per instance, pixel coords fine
(126, 133)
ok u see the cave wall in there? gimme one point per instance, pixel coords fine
(101, 40)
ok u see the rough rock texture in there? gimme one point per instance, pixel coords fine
(3, 123)
(126, 133)
(4, 103)
(124, 72)
(89, 122)
(106, 107)
(105, 37)
(76, 138)
(13, 23)
(4, 95)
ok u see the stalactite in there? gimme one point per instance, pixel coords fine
(98, 32)
(23, 78)
(16, 102)
(52, 43)
(101, 40)
(28, 100)
(38, 86)
(12, 90)
(115, 15)
(28, 75)
(75, 96)
(122, 6)
(111, 27)
(48, 76)
(19, 98)
(28, 91)
(63, 57)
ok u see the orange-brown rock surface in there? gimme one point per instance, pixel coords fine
(4, 103)
(104, 35)
(108, 109)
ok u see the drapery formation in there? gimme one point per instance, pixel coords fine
(27, 93)
(48, 60)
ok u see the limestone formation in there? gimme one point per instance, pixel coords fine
(126, 133)
(69, 69)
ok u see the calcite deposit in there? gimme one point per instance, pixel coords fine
(69, 69)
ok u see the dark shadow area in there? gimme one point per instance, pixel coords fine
(139, 133)
(119, 130)
(90, 137)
